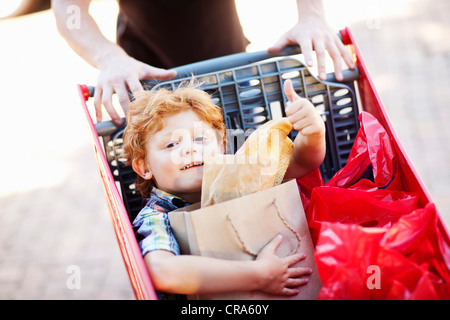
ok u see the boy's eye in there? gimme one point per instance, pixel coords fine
(200, 139)
(170, 145)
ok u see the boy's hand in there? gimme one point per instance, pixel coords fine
(302, 113)
(279, 275)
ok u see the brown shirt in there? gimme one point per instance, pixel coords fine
(170, 33)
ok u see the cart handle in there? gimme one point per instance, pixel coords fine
(237, 60)
(230, 61)
(106, 128)
(220, 63)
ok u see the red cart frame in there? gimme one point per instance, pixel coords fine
(134, 262)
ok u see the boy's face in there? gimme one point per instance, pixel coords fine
(175, 154)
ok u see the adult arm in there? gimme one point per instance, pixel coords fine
(118, 71)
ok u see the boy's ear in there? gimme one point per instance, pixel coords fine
(141, 169)
(222, 147)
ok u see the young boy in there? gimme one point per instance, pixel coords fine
(167, 134)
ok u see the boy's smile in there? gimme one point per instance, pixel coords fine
(192, 165)
(174, 156)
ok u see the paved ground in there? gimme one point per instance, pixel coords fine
(53, 218)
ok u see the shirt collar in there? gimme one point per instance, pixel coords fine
(177, 201)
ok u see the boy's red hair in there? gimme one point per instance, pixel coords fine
(148, 111)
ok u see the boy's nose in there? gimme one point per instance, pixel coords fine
(190, 148)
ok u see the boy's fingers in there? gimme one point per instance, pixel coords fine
(290, 92)
(289, 291)
(274, 243)
(298, 110)
(309, 130)
(293, 283)
(296, 114)
(299, 272)
(293, 259)
(302, 124)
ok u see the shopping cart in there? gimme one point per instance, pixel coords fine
(248, 87)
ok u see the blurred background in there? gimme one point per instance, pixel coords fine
(53, 214)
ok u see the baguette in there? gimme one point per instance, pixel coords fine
(271, 141)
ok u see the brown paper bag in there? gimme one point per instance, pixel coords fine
(227, 177)
(239, 228)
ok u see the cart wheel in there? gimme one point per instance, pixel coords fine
(15, 8)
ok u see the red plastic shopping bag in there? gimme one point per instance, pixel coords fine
(372, 161)
(374, 208)
(372, 239)
(409, 260)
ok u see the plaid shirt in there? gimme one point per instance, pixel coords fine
(153, 232)
(152, 226)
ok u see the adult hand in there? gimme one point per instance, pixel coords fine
(119, 74)
(315, 33)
